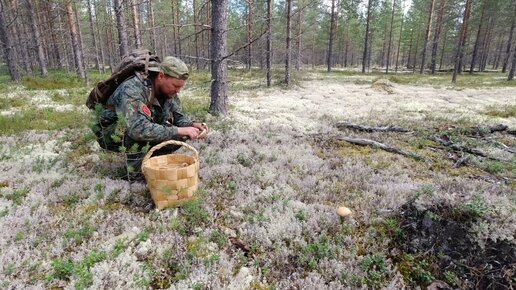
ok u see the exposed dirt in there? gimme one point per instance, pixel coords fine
(444, 235)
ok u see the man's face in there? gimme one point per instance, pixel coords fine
(169, 86)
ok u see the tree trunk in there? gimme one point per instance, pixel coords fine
(288, 40)
(513, 68)
(109, 35)
(55, 48)
(299, 36)
(390, 37)
(409, 56)
(366, 38)
(442, 50)
(477, 41)
(101, 47)
(219, 70)
(462, 40)
(35, 33)
(399, 44)
(196, 37)
(427, 36)
(437, 34)
(8, 49)
(178, 27)
(17, 37)
(75, 40)
(153, 26)
(332, 29)
(509, 42)
(249, 33)
(93, 36)
(123, 45)
(136, 23)
(269, 43)
(487, 42)
(81, 47)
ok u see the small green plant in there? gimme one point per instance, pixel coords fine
(17, 196)
(375, 270)
(194, 214)
(476, 207)
(143, 236)
(119, 247)
(218, 238)
(414, 270)
(63, 269)
(451, 278)
(78, 236)
(301, 215)
(493, 167)
(314, 252)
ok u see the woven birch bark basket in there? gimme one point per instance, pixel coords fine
(172, 179)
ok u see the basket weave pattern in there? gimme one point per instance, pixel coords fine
(172, 178)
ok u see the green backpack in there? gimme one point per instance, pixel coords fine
(136, 61)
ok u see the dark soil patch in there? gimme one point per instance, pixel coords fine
(440, 244)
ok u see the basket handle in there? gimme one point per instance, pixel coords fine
(169, 142)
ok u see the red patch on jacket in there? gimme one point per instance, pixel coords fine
(146, 110)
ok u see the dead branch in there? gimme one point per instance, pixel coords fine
(390, 128)
(372, 143)
(445, 140)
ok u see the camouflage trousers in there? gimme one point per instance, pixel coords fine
(133, 155)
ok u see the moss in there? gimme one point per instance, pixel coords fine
(41, 119)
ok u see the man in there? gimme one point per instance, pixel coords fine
(145, 111)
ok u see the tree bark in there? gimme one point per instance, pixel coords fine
(288, 41)
(219, 71)
(462, 40)
(299, 37)
(478, 39)
(81, 47)
(249, 33)
(399, 44)
(437, 34)
(509, 42)
(269, 43)
(196, 37)
(513, 68)
(153, 26)
(8, 49)
(79, 66)
(427, 36)
(93, 36)
(37, 38)
(366, 38)
(136, 23)
(332, 29)
(123, 45)
(390, 38)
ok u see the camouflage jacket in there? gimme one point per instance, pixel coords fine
(144, 122)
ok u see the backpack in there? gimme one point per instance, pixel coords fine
(136, 61)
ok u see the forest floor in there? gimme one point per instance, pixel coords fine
(272, 175)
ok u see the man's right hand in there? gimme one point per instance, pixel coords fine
(191, 132)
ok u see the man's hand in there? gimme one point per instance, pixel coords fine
(204, 129)
(191, 132)
(200, 126)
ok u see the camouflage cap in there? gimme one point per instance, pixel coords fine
(173, 67)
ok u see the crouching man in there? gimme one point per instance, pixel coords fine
(145, 111)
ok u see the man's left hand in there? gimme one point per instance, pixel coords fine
(202, 127)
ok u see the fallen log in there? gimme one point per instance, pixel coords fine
(445, 140)
(372, 143)
(390, 128)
